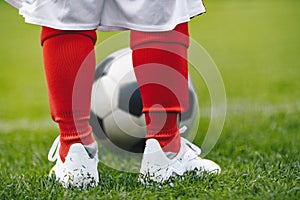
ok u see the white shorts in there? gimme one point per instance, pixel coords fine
(109, 15)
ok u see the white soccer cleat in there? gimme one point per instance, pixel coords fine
(157, 167)
(80, 166)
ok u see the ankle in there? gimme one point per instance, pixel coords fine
(68, 139)
(163, 127)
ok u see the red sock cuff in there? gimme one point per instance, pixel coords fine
(68, 139)
(158, 122)
(73, 135)
(48, 32)
(179, 35)
(162, 126)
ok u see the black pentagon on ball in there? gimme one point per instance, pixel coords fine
(188, 114)
(130, 99)
(103, 68)
(97, 125)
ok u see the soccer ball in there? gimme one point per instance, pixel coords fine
(116, 106)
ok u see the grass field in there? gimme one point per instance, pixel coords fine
(256, 46)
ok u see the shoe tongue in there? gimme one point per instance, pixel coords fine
(91, 149)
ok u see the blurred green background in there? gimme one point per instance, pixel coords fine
(256, 46)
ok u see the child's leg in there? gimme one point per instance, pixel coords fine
(161, 68)
(65, 54)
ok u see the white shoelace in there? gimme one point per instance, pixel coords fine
(183, 129)
(53, 154)
(192, 146)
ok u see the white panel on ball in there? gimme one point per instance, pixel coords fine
(102, 96)
(121, 70)
(121, 128)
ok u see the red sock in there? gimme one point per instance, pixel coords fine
(161, 69)
(69, 63)
(163, 127)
